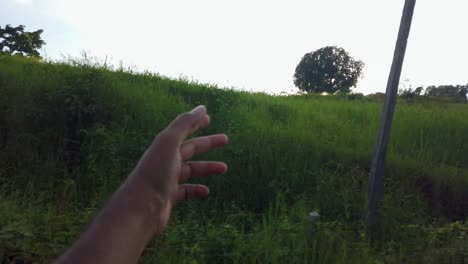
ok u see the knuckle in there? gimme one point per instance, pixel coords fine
(184, 117)
(191, 148)
(166, 136)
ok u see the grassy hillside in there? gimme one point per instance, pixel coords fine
(71, 132)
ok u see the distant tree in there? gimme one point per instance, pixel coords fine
(329, 69)
(15, 41)
(453, 91)
(464, 92)
(418, 91)
(377, 96)
(406, 89)
(410, 92)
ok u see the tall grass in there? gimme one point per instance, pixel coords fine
(71, 133)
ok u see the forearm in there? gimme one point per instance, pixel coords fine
(142, 205)
(121, 230)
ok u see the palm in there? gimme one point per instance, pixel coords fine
(166, 165)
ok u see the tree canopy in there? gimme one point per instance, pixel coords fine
(457, 92)
(329, 69)
(16, 41)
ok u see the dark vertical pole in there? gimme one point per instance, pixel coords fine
(383, 137)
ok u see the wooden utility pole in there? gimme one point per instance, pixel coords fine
(383, 137)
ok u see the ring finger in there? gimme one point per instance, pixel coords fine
(195, 169)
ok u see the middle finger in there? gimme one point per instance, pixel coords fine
(200, 145)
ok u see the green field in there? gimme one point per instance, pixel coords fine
(71, 132)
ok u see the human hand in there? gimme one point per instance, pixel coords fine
(141, 207)
(164, 166)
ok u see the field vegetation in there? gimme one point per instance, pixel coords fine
(70, 132)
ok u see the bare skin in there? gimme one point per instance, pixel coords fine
(140, 208)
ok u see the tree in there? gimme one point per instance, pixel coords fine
(407, 91)
(329, 69)
(410, 92)
(418, 91)
(452, 91)
(15, 41)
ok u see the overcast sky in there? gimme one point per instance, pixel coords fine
(252, 45)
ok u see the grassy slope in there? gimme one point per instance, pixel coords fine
(69, 135)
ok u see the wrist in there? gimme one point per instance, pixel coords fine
(152, 207)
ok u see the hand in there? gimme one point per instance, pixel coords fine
(141, 207)
(164, 166)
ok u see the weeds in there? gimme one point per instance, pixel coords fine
(70, 133)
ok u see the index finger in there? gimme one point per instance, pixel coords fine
(187, 123)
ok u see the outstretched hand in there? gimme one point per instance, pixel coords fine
(165, 166)
(141, 207)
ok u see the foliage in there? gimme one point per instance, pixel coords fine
(455, 93)
(459, 92)
(376, 96)
(16, 41)
(410, 92)
(70, 134)
(329, 69)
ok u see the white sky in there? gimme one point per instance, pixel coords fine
(252, 45)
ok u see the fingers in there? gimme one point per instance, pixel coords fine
(200, 145)
(187, 123)
(188, 192)
(197, 169)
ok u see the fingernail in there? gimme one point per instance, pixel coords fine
(201, 109)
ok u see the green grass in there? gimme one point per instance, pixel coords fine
(71, 132)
